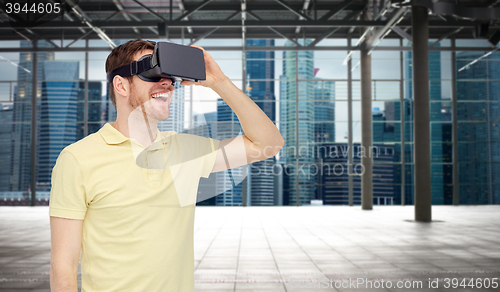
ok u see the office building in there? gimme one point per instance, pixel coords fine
(6, 115)
(478, 114)
(303, 90)
(229, 187)
(21, 127)
(175, 121)
(57, 115)
(332, 163)
(97, 105)
(260, 88)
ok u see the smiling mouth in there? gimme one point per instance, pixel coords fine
(162, 96)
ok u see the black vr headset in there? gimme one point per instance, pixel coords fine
(168, 60)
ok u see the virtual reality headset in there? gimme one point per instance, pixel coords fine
(168, 60)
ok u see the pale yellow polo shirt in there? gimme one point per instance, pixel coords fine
(136, 235)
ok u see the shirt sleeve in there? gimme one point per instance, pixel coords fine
(212, 146)
(67, 194)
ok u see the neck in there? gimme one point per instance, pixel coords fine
(137, 125)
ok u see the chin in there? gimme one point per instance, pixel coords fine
(164, 117)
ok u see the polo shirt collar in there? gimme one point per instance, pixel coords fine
(113, 137)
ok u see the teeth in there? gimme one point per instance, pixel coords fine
(163, 95)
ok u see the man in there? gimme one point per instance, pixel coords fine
(124, 195)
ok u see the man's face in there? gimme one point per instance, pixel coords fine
(153, 98)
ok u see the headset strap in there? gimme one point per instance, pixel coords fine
(136, 67)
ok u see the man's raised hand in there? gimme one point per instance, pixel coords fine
(214, 74)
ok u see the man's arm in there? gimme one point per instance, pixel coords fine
(261, 140)
(66, 242)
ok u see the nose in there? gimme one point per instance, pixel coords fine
(165, 81)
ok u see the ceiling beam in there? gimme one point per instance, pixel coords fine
(150, 11)
(84, 35)
(331, 31)
(239, 48)
(270, 6)
(236, 24)
(492, 3)
(447, 36)
(402, 33)
(284, 36)
(205, 24)
(182, 7)
(222, 33)
(185, 15)
(378, 34)
(336, 10)
(41, 37)
(125, 14)
(253, 15)
(232, 15)
(87, 20)
(203, 36)
(296, 12)
(305, 7)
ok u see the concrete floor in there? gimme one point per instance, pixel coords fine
(273, 248)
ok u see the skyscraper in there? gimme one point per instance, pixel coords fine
(228, 126)
(21, 127)
(478, 115)
(324, 111)
(260, 74)
(333, 159)
(207, 189)
(324, 122)
(334, 177)
(57, 115)
(97, 113)
(175, 121)
(6, 114)
(304, 91)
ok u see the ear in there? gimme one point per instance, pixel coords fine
(121, 86)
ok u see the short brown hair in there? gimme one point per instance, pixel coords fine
(123, 55)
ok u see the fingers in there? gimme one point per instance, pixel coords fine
(184, 82)
(187, 83)
(198, 47)
(205, 53)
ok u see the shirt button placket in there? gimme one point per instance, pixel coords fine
(152, 173)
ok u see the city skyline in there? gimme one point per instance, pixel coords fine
(330, 64)
(99, 111)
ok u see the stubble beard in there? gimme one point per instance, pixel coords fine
(144, 104)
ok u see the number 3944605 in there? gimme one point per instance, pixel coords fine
(33, 8)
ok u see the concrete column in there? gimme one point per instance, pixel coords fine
(366, 129)
(33, 144)
(421, 114)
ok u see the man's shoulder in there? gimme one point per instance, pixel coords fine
(84, 146)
